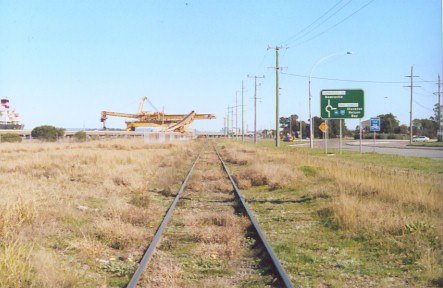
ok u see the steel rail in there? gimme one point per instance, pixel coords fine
(150, 251)
(276, 263)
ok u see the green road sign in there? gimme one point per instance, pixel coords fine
(342, 104)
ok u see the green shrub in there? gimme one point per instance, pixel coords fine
(9, 137)
(47, 133)
(80, 136)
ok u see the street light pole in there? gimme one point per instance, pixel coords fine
(311, 124)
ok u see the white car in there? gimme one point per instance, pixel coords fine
(420, 139)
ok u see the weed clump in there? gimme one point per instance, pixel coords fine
(250, 177)
(309, 171)
(118, 267)
(15, 266)
(9, 137)
(140, 200)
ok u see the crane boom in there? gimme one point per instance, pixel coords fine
(181, 125)
(140, 106)
(171, 122)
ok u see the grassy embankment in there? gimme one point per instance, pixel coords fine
(346, 220)
(427, 144)
(81, 215)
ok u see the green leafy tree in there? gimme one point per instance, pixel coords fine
(284, 124)
(389, 123)
(291, 125)
(80, 136)
(317, 132)
(402, 129)
(47, 133)
(334, 128)
(425, 127)
(436, 110)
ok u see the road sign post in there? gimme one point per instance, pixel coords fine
(361, 137)
(343, 104)
(341, 122)
(375, 126)
(326, 138)
(324, 128)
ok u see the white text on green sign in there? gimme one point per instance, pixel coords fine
(342, 104)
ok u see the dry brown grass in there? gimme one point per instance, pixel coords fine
(167, 274)
(366, 201)
(65, 206)
(206, 238)
(275, 175)
(412, 195)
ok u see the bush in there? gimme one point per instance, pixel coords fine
(80, 136)
(9, 137)
(47, 133)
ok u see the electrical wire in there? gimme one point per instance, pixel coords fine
(348, 80)
(315, 21)
(338, 23)
(262, 60)
(422, 94)
(422, 106)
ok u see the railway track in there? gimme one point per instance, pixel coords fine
(213, 238)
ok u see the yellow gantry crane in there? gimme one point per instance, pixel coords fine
(169, 122)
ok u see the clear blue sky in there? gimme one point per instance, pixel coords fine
(62, 62)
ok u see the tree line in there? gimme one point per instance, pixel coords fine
(390, 127)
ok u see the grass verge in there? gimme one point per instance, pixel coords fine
(346, 221)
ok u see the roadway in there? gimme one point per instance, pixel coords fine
(398, 147)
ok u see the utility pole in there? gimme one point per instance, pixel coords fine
(439, 135)
(236, 116)
(439, 108)
(410, 105)
(232, 121)
(242, 114)
(277, 90)
(227, 122)
(255, 105)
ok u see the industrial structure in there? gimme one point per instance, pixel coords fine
(9, 118)
(169, 122)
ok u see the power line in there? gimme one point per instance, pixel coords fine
(338, 23)
(263, 59)
(422, 94)
(355, 81)
(315, 21)
(422, 106)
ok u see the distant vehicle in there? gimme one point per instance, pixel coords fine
(420, 139)
(288, 139)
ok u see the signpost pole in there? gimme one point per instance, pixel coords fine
(373, 148)
(326, 137)
(361, 148)
(301, 132)
(374, 126)
(341, 121)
